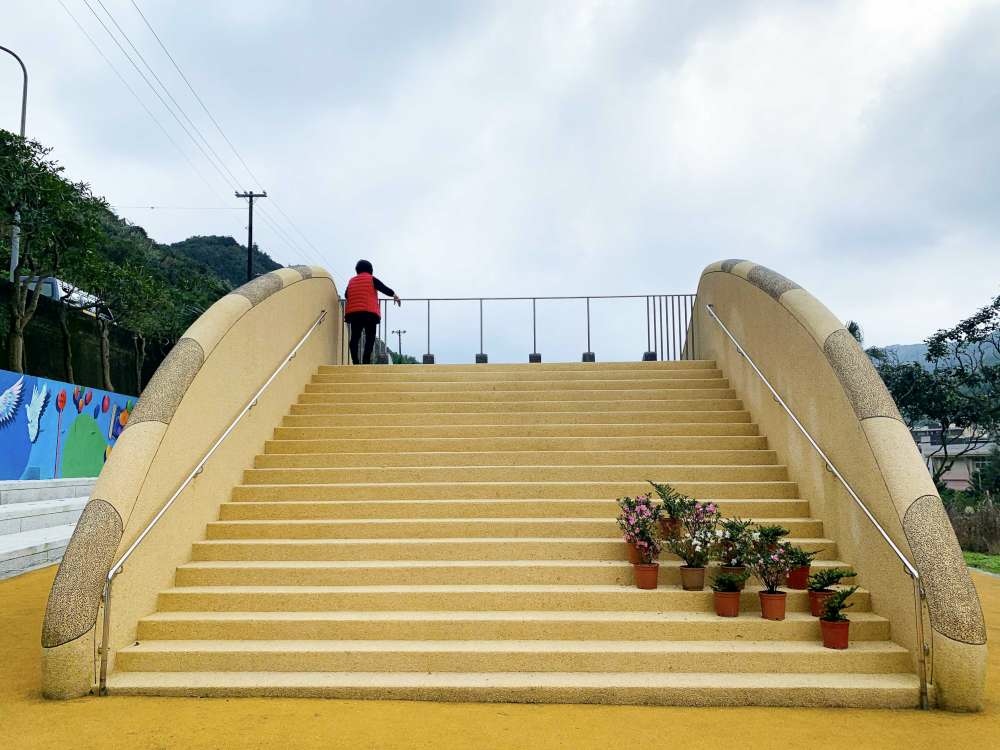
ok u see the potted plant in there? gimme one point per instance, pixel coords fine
(821, 585)
(732, 546)
(800, 560)
(694, 544)
(649, 543)
(770, 563)
(727, 588)
(632, 512)
(673, 508)
(769, 535)
(834, 626)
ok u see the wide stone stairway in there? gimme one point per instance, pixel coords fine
(448, 533)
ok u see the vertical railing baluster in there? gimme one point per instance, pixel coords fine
(588, 356)
(663, 354)
(534, 356)
(676, 305)
(687, 343)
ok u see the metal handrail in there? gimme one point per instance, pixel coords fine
(668, 320)
(908, 567)
(119, 565)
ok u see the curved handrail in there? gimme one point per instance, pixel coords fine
(119, 565)
(908, 567)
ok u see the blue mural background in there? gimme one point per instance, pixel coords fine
(50, 429)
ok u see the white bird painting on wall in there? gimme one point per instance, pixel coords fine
(35, 409)
(9, 401)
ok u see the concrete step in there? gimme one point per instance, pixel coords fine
(638, 688)
(472, 438)
(572, 421)
(280, 457)
(248, 509)
(416, 527)
(651, 406)
(535, 473)
(537, 367)
(685, 398)
(421, 375)
(641, 688)
(508, 490)
(429, 625)
(452, 549)
(461, 388)
(41, 514)
(728, 657)
(31, 549)
(649, 411)
(481, 597)
(402, 564)
(36, 490)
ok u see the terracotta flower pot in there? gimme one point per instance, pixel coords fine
(692, 579)
(669, 527)
(727, 603)
(633, 553)
(816, 600)
(798, 578)
(734, 570)
(646, 575)
(772, 605)
(835, 634)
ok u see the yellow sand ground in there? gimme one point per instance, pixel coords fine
(29, 721)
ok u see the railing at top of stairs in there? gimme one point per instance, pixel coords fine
(923, 650)
(669, 321)
(119, 565)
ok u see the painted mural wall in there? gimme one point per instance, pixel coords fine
(50, 429)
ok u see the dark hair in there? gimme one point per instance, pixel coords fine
(363, 266)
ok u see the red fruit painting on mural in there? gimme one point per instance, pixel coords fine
(87, 398)
(105, 404)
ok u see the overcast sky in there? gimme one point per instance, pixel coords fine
(544, 147)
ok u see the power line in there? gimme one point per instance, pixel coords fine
(165, 89)
(152, 87)
(232, 184)
(180, 208)
(195, 93)
(218, 127)
(132, 91)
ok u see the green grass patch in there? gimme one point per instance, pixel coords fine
(990, 563)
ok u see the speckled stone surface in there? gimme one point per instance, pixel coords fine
(727, 265)
(951, 598)
(169, 383)
(76, 591)
(770, 281)
(261, 288)
(306, 271)
(861, 382)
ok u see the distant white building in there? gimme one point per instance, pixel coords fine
(959, 476)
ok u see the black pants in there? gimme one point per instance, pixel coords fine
(362, 322)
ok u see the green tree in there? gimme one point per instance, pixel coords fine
(58, 219)
(986, 479)
(958, 387)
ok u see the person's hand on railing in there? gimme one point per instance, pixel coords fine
(395, 298)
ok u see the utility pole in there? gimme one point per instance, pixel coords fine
(250, 196)
(15, 230)
(399, 338)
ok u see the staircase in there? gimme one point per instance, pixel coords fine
(447, 533)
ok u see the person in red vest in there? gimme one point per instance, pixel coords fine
(362, 311)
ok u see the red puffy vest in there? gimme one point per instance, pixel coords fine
(361, 295)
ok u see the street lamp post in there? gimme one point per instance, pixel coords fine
(15, 230)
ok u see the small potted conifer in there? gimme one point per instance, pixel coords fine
(800, 560)
(821, 585)
(833, 624)
(726, 596)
